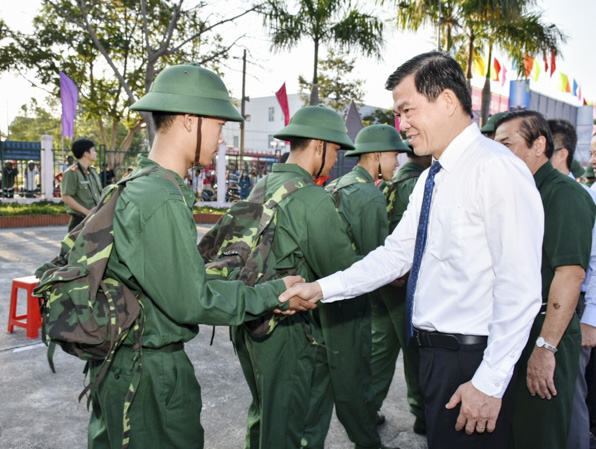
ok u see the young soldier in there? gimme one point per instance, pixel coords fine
(389, 308)
(287, 371)
(347, 326)
(81, 186)
(155, 255)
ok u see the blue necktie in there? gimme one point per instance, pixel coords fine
(419, 248)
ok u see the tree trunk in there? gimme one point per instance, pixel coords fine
(486, 89)
(470, 60)
(314, 93)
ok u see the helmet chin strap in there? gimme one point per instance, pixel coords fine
(198, 149)
(324, 157)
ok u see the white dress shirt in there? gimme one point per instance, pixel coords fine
(589, 285)
(480, 272)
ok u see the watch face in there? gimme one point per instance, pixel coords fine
(540, 342)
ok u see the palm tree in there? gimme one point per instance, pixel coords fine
(324, 22)
(469, 26)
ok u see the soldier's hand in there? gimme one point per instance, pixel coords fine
(588, 336)
(309, 292)
(296, 304)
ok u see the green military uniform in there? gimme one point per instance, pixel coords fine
(155, 251)
(569, 217)
(83, 185)
(389, 310)
(287, 371)
(347, 324)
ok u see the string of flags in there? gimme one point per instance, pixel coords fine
(533, 69)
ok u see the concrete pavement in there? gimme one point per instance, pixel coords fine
(39, 409)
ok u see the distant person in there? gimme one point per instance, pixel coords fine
(107, 175)
(489, 129)
(68, 163)
(589, 176)
(9, 176)
(81, 186)
(31, 179)
(244, 184)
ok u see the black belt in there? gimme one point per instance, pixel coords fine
(447, 341)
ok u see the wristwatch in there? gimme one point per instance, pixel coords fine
(541, 343)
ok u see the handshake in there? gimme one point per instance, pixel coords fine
(302, 296)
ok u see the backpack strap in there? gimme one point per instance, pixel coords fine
(342, 183)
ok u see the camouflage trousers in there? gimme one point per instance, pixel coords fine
(288, 378)
(347, 330)
(165, 411)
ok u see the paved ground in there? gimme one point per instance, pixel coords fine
(39, 410)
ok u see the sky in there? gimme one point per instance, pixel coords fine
(267, 71)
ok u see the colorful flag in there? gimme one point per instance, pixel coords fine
(479, 67)
(575, 87)
(553, 65)
(528, 65)
(496, 69)
(503, 76)
(579, 93)
(282, 98)
(545, 61)
(536, 71)
(69, 94)
(562, 82)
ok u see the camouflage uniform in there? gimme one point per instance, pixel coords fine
(287, 371)
(155, 251)
(388, 309)
(347, 324)
(85, 188)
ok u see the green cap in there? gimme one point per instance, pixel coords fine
(490, 124)
(317, 122)
(589, 173)
(189, 89)
(577, 170)
(378, 138)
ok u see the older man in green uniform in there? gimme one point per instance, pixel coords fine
(389, 308)
(347, 325)
(155, 255)
(81, 186)
(287, 371)
(549, 363)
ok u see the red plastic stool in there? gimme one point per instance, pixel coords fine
(32, 319)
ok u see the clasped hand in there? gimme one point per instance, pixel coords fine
(302, 296)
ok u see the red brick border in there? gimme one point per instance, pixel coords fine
(24, 221)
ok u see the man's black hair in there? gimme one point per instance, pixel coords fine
(433, 73)
(564, 136)
(298, 143)
(163, 120)
(81, 146)
(532, 126)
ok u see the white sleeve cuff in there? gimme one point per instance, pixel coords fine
(589, 315)
(332, 287)
(490, 382)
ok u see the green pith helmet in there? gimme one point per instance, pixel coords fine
(189, 89)
(577, 169)
(490, 124)
(589, 173)
(317, 122)
(378, 138)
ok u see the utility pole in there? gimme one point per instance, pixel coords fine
(243, 109)
(439, 26)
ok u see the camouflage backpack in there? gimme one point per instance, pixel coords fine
(86, 313)
(240, 245)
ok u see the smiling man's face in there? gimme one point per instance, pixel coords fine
(423, 121)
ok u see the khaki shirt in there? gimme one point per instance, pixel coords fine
(83, 185)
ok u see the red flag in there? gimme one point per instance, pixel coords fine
(497, 67)
(282, 98)
(553, 65)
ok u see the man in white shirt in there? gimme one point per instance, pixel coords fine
(478, 274)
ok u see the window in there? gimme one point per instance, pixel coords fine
(271, 114)
(236, 143)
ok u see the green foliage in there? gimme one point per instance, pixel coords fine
(379, 116)
(208, 210)
(331, 22)
(335, 90)
(38, 208)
